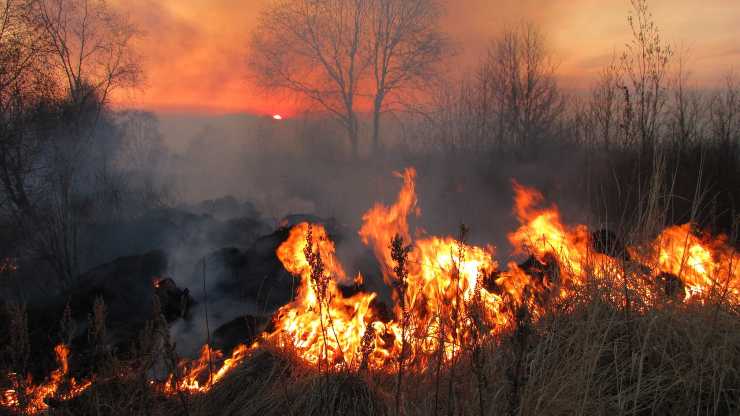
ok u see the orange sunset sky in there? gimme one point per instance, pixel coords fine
(194, 51)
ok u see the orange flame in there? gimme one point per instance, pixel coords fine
(35, 396)
(445, 286)
(453, 294)
(199, 375)
(382, 223)
(443, 276)
(321, 327)
(702, 263)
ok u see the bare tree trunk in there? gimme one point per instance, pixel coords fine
(353, 135)
(376, 127)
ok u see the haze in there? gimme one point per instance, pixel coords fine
(194, 51)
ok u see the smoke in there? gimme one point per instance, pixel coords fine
(218, 183)
(302, 166)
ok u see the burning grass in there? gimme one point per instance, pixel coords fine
(572, 329)
(590, 361)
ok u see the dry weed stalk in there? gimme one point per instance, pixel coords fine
(399, 254)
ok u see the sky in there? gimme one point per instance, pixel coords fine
(193, 52)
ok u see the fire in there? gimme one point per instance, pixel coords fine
(200, 375)
(449, 298)
(443, 278)
(676, 257)
(454, 293)
(448, 294)
(321, 325)
(566, 251)
(33, 399)
(702, 263)
(381, 223)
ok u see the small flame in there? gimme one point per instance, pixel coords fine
(200, 375)
(55, 386)
(157, 282)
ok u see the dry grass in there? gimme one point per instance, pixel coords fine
(273, 383)
(590, 353)
(673, 359)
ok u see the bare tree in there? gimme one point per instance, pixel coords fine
(88, 44)
(521, 91)
(139, 160)
(313, 48)
(724, 115)
(604, 107)
(22, 89)
(458, 120)
(404, 48)
(344, 54)
(686, 110)
(18, 48)
(71, 55)
(511, 101)
(644, 66)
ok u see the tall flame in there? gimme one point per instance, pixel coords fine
(381, 223)
(321, 325)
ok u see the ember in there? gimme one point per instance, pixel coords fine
(8, 265)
